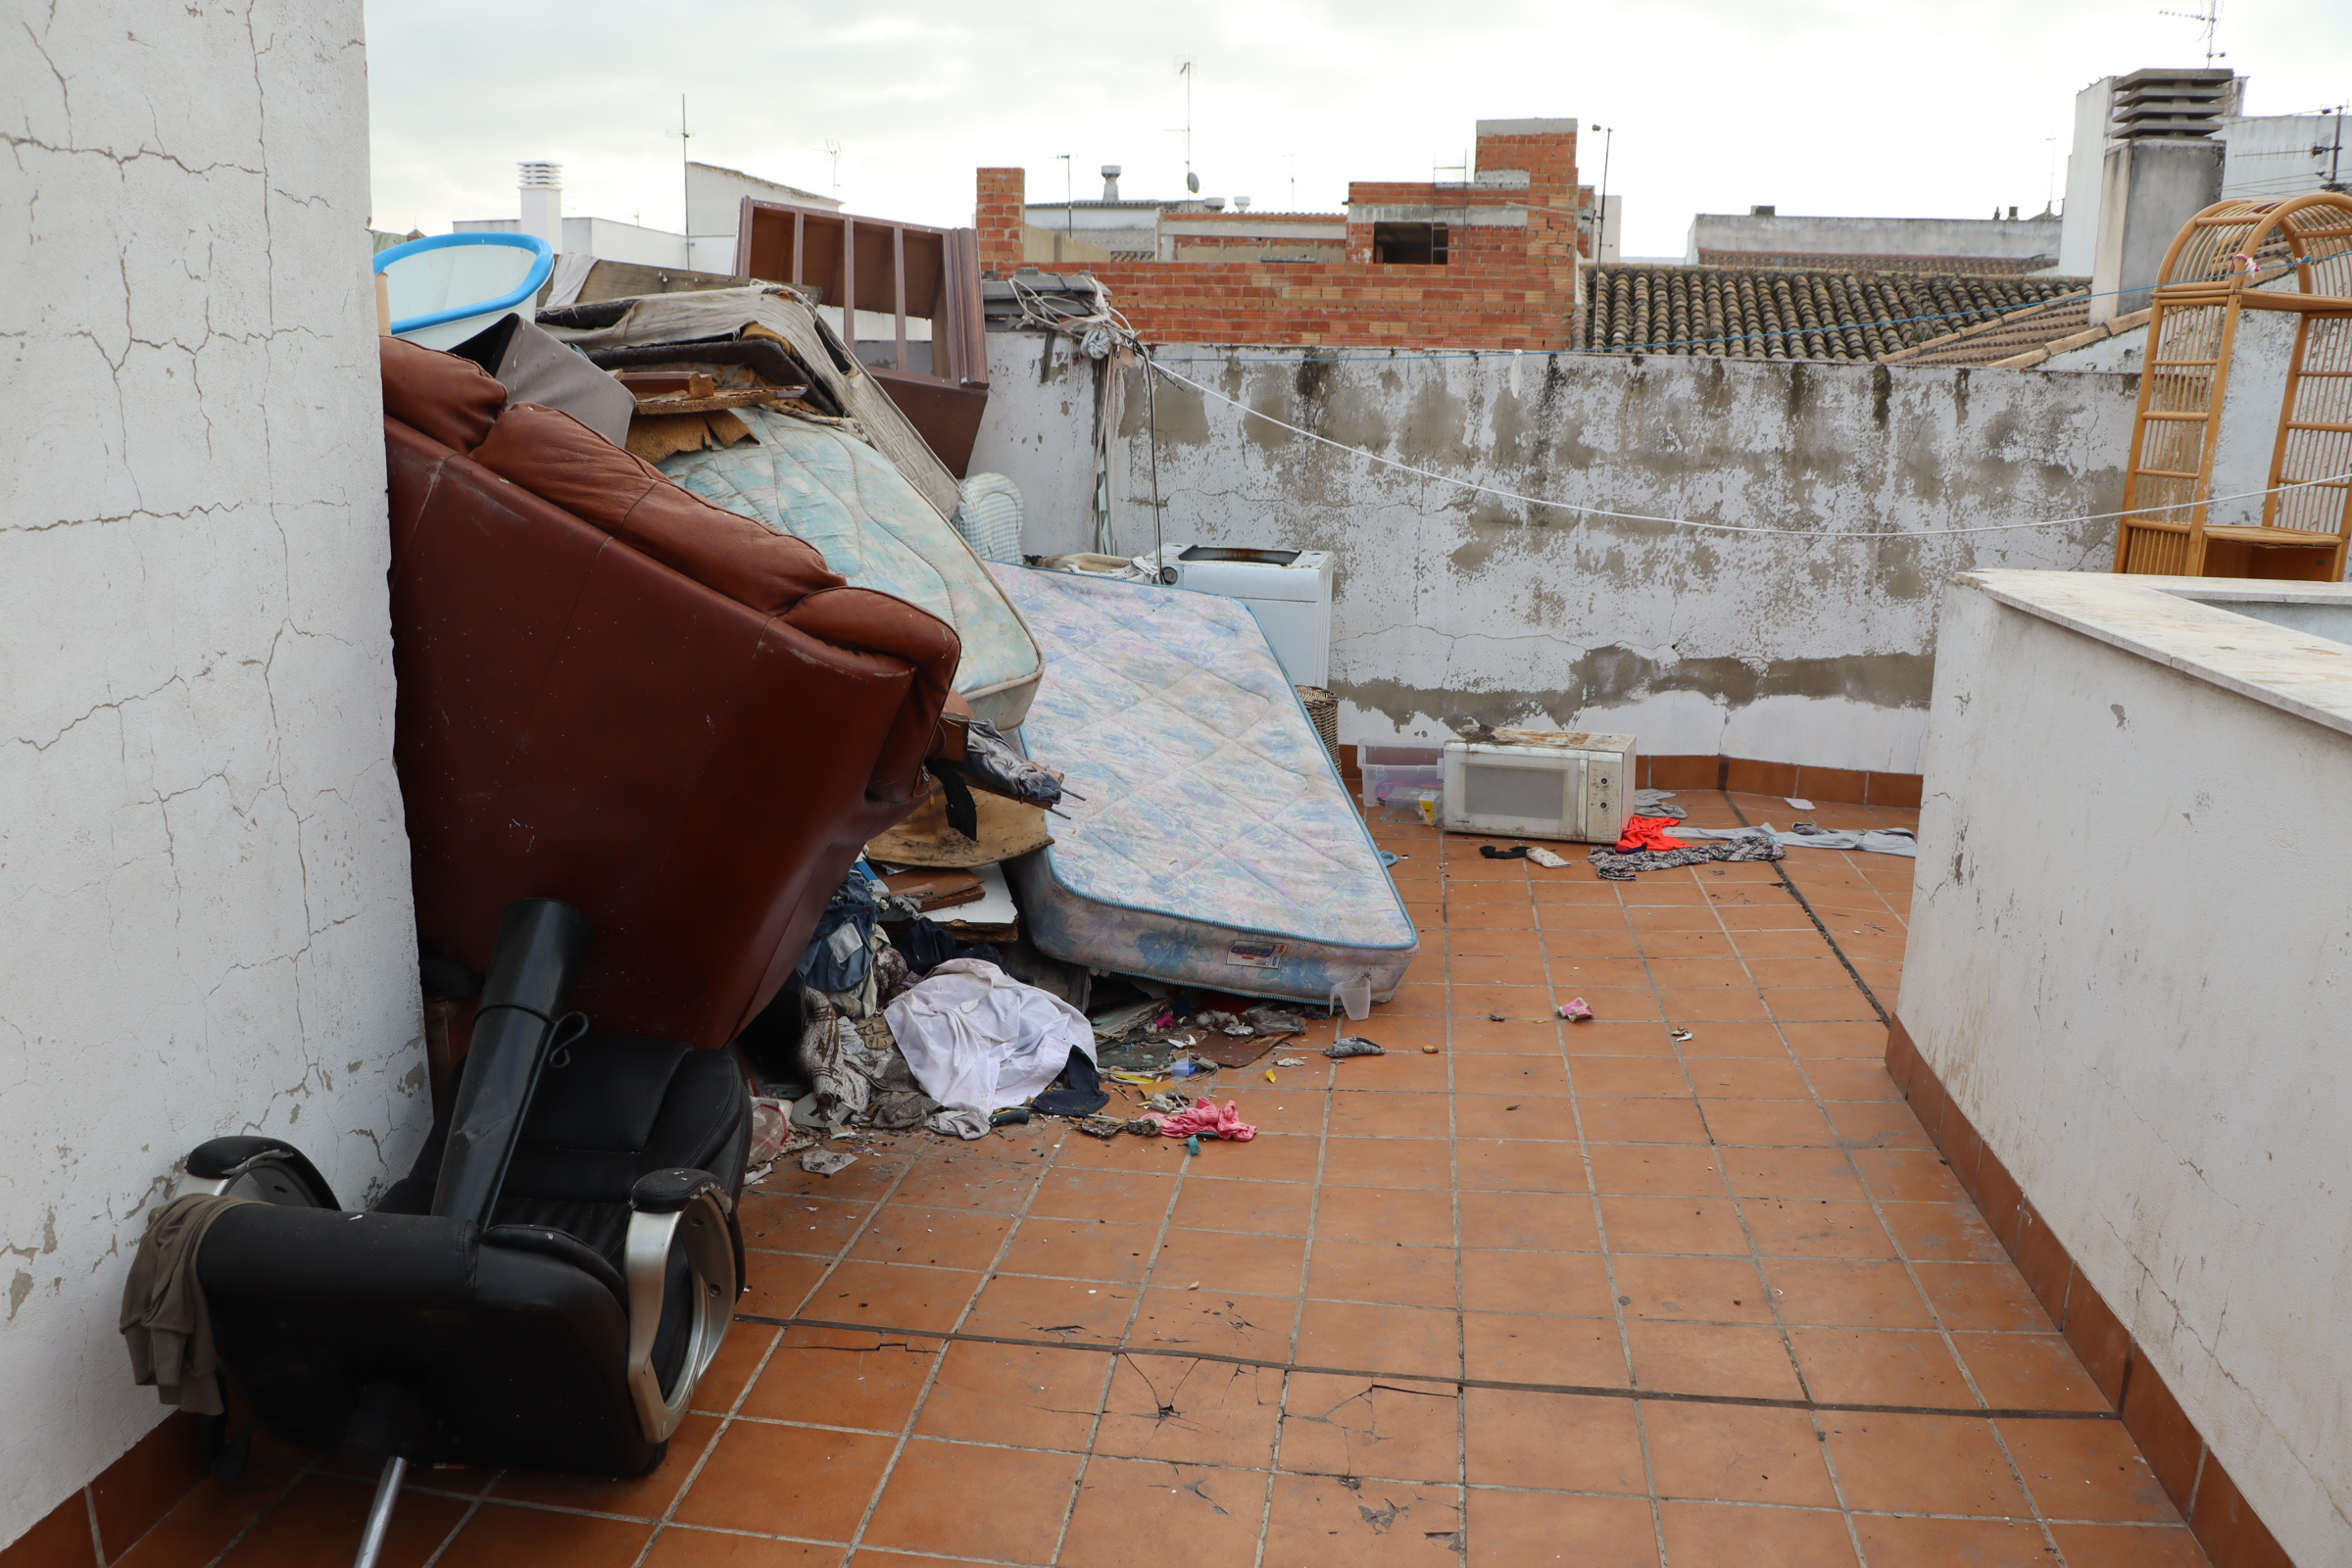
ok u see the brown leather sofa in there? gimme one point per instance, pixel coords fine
(614, 693)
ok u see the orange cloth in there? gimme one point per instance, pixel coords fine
(1648, 833)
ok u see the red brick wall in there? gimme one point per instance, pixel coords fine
(1504, 286)
(1003, 194)
(1342, 303)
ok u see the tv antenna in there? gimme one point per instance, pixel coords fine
(832, 150)
(2211, 17)
(685, 180)
(1184, 69)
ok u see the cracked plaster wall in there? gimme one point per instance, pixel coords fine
(2140, 1005)
(203, 870)
(1454, 605)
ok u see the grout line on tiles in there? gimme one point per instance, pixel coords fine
(1461, 1295)
(1756, 1252)
(262, 1512)
(1618, 1298)
(1314, 1215)
(1797, 893)
(702, 1459)
(1943, 1335)
(1592, 1390)
(914, 1411)
(1111, 1372)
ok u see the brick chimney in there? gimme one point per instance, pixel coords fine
(1003, 193)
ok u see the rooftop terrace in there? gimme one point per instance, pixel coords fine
(1519, 1291)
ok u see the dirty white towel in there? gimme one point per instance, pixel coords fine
(1875, 841)
(977, 1039)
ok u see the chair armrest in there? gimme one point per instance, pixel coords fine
(284, 1174)
(666, 1191)
(687, 1207)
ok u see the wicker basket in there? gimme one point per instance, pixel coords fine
(1324, 709)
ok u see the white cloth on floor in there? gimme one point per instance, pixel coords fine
(1875, 841)
(977, 1039)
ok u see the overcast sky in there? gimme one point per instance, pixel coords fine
(1867, 107)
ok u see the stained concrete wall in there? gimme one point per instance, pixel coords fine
(203, 872)
(2017, 239)
(1456, 606)
(2140, 1004)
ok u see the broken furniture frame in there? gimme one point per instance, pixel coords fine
(879, 265)
(2210, 276)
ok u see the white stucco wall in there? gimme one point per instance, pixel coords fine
(1454, 605)
(203, 871)
(1037, 430)
(2130, 966)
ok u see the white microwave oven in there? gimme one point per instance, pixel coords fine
(1540, 784)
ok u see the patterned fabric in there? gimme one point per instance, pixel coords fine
(1616, 868)
(1215, 843)
(818, 482)
(989, 517)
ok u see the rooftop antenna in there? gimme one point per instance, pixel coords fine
(832, 150)
(685, 181)
(2211, 17)
(1601, 218)
(1069, 202)
(1191, 181)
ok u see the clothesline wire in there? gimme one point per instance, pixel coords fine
(1039, 311)
(1722, 527)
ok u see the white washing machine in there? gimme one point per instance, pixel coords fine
(1289, 591)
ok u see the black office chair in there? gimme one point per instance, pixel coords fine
(545, 1287)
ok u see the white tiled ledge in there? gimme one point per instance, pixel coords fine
(2161, 618)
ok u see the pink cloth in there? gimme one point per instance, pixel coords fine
(1215, 1121)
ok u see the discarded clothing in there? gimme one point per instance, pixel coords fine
(1648, 833)
(990, 763)
(1488, 851)
(1211, 1121)
(1544, 858)
(858, 1070)
(885, 975)
(1082, 1095)
(1657, 803)
(1347, 1046)
(1874, 841)
(840, 954)
(1805, 836)
(960, 1121)
(1616, 868)
(165, 1321)
(976, 1038)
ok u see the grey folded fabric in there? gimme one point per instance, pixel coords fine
(1874, 841)
(1657, 803)
(164, 1322)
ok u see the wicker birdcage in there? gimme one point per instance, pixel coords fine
(2216, 269)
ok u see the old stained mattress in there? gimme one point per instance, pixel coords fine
(814, 479)
(1215, 845)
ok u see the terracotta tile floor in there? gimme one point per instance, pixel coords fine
(1440, 1311)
